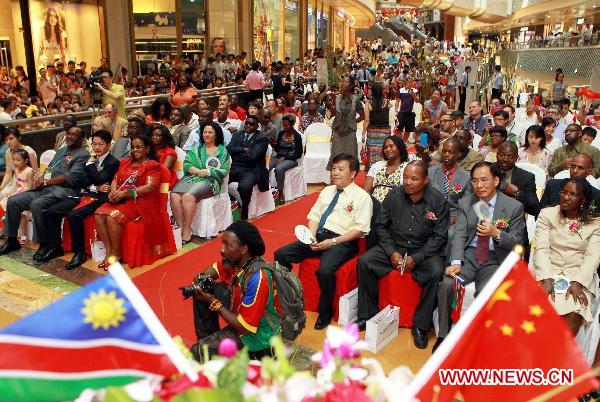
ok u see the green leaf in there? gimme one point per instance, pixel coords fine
(209, 395)
(114, 394)
(233, 375)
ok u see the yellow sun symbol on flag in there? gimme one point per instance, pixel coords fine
(103, 309)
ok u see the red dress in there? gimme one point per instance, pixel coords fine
(162, 155)
(149, 209)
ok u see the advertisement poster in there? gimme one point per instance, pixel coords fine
(64, 31)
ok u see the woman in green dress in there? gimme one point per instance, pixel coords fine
(205, 168)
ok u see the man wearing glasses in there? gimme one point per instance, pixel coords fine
(248, 148)
(563, 157)
(560, 130)
(112, 93)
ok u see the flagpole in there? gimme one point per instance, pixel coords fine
(432, 365)
(151, 320)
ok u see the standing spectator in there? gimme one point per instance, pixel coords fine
(255, 82)
(451, 88)
(160, 112)
(405, 100)
(463, 86)
(558, 88)
(112, 93)
(347, 106)
(498, 83)
(184, 92)
(376, 126)
(47, 88)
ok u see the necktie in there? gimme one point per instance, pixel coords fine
(482, 250)
(329, 209)
(446, 183)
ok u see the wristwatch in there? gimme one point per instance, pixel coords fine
(334, 241)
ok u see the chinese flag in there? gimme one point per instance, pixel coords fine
(513, 326)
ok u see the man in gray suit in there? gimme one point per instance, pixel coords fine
(64, 177)
(179, 130)
(450, 179)
(122, 148)
(489, 224)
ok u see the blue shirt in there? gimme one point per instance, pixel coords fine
(193, 140)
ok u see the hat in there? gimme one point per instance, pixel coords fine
(248, 234)
(457, 113)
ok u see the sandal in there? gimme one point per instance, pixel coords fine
(23, 240)
(184, 242)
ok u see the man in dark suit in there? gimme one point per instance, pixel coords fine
(64, 177)
(581, 168)
(450, 179)
(100, 171)
(488, 226)
(416, 244)
(516, 182)
(248, 166)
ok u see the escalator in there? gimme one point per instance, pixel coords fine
(398, 25)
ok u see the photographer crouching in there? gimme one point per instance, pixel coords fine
(244, 296)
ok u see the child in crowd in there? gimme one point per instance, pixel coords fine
(23, 182)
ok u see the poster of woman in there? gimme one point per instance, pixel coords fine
(50, 37)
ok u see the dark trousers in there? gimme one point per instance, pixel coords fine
(76, 219)
(38, 202)
(496, 93)
(246, 180)
(53, 217)
(462, 99)
(375, 264)
(330, 261)
(255, 94)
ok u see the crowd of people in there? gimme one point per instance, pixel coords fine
(446, 193)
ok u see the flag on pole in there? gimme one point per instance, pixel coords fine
(510, 325)
(104, 334)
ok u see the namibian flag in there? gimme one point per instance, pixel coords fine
(101, 335)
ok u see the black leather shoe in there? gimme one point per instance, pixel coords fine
(51, 254)
(323, 321)
(362, 325)
(419, 337)
(77, 260)
(437, 344)
(11, 244)
(42, 249)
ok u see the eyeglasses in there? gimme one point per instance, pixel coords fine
(138, 146)
(573, 130)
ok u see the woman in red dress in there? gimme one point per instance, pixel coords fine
(164, 145)
(135, 195)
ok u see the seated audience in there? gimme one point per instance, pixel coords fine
(64, 177)
(414, 247)
(534, 151)
(194, 139)
(135, 195)
(234, 106)
(589, 135)
(163, 144)
(121, 148)
(160, 112)
(341, 216)
(516, 182)
(13, 142)
(468, 157)
(118, 125)
(386, 174)
(448, 178)
(100, 170)
(287, 149)
(581, 168)
(184, 93)
(266, 125)
(179, 131)
(567, 243)
(68, 122)
(552, 143)
(248, 149)
(205, 169)
(563, 156)
(497, 137)
(312, 115)
(24, 175)
(253, 314)
(479, 245)
(228, 125)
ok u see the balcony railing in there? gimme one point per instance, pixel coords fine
(571, 41)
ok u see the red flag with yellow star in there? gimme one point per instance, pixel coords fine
(510, 345)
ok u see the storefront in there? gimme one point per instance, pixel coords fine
(271, 18)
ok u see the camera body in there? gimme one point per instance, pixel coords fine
(204, 283)
(90, 83)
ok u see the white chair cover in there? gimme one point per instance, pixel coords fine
(46, 158)
(540, 175)
(476, 141)
(213, 214)
(179, 164)
(318, 150)
(565, 174)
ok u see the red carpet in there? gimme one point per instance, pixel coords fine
(160, 286)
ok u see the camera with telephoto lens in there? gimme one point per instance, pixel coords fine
(94, 77)
(204, 283)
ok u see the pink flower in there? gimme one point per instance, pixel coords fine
(430, 216)
(457, 187)
(228, 348)
(352, 391)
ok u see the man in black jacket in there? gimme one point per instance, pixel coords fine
(516, 182)
(581, 168)
(100, 171)
(248, 166)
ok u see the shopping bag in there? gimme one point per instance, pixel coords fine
(98, 251)
(382, 328)
(177, 237)
(348, 307)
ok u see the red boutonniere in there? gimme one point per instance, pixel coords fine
(430, 215)
(349, 208)
(501, 223)
(456, 189)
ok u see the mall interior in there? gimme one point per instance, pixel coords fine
(149, 47)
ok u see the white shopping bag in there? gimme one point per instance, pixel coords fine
(382, 328)
(29, 229)
(177, 237)
(98, 251)
(348, 307)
